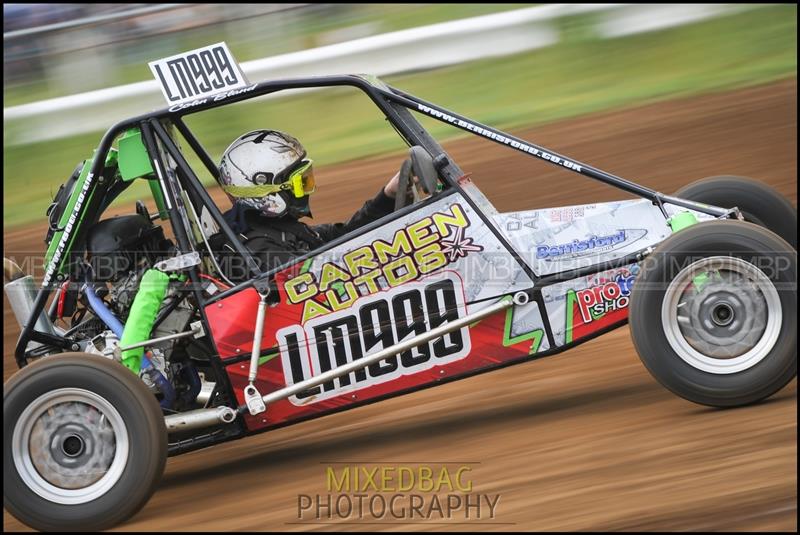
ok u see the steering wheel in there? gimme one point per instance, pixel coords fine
(420, 164)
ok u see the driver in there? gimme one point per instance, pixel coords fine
(268, 178)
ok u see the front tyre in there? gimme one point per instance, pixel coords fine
(713, 313)
(758, 203)
(84, 443)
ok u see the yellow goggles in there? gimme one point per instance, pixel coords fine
(300, 183)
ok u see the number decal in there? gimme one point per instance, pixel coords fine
(374, 323)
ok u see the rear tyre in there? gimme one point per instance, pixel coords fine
(84, 443)
(713, 313)
(758, 203)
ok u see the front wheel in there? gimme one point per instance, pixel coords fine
(713, 313)
(84, 443)
(758, 203)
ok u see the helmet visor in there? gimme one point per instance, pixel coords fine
(302, 180)
(301, 183)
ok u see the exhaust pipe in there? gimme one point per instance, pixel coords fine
(21, 292)
(199, 418)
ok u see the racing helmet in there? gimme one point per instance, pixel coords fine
(268, 170)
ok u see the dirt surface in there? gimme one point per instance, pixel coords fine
(586, 440)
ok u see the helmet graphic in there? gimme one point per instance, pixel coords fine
(268, 170)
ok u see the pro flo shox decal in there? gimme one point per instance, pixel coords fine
(580, 307)
(373, 323)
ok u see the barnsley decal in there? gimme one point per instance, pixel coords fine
(373, 323)
(416, 250)
(520, 146)
(590, 246)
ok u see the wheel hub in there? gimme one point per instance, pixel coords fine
(721, 314)
(70, 446)
(81, 441)
(724, 316)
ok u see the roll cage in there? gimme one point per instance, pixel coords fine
(98, 190)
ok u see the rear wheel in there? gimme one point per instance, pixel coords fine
(758, 203)
(84, 443)
(713, 313)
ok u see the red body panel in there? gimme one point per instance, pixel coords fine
(232, 325)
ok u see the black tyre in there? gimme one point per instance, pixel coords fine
(758, 203)
(84, 443)
(713, 313)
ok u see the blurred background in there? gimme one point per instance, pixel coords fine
(72, 70)
(659, 94)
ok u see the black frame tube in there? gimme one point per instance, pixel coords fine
(551, 157)
(194, 182)
(197, 147)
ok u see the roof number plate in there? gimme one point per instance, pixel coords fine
(198, 73)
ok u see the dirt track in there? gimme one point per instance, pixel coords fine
(583, 441)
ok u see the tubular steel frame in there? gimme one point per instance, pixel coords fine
(396, 106)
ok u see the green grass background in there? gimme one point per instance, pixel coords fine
(582, 74)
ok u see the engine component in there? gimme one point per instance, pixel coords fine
(148, 369)
(123, 293)
(118, 245)
(157, 359)
(153, 374)
(175, 322)
(179, 263)
(142, 315)
(188, 372)
(206, 390)
(104, 344)
(101, 310)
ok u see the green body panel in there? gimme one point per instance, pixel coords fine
(54, 242)
(158, 195)
(681, 221)
(133, 162)
(133, 159)
(111, 160)
(144, 310)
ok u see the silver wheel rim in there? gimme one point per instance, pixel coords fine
(721, 315)
(70, 446)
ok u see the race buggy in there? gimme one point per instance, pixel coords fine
(136, 348)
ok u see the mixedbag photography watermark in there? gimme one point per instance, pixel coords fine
(397, 492)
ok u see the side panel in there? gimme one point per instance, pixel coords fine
(408, 276)
(580, 307)
(554, 240)
(58, 249)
